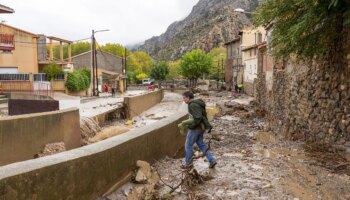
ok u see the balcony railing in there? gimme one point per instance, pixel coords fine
(14, 77)
(7, 42)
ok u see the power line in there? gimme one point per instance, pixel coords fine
(24, 42)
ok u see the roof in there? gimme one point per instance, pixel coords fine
(98, 51)
(35, 35)
(108, 72)
(59, 39)
(5, 9)
(232, 41)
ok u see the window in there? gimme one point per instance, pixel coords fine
(259, 38)
(254, 52)
(250, 52)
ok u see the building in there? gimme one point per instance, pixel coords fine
(251, 39)
(266, 60)
(5, 9)
(24, 52)
(234, 67)
(110, 68)
(18, 50)
(45, 46)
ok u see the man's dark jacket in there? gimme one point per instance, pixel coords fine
(196, 108)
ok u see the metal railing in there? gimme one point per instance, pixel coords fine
(40, 77)
(14, 77)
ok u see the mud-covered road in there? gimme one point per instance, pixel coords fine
(252, 164)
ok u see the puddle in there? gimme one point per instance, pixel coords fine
(230, 118)
(212, 111)
(265, 137)
(267, 153)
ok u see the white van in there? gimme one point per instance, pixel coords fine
(147, 81)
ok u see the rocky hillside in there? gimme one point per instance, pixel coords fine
(210, 24)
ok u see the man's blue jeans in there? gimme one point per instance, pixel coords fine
(196, 136)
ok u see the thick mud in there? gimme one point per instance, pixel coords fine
(252, 164)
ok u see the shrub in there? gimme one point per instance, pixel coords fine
(52, 70)
(78, 80)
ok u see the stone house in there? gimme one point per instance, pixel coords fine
(234, 67)
(251, 39)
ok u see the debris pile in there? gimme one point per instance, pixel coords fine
(51, 149)
(89, 128)
(146, 182)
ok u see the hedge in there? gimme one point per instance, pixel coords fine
(78, 80)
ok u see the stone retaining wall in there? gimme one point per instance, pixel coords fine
(310, 102)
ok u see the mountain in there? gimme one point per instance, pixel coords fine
(210, 24)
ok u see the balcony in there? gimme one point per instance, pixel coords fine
(7, 42)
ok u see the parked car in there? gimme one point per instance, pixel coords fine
(147, 81)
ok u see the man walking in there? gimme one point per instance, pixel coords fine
(200, 123)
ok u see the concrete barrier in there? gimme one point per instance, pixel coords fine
(88, 172)
(27, 96)
(138, 104)
(24, 106)
(23, 136)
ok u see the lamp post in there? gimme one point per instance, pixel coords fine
(94, 61)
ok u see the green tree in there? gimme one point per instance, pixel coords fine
(160, 71)
(219, 56)
(195, 64)
(144, 61)
(115, 49)
(304, 28)
(174, 67)
(77, 48)
(52, 70)
(80, 47)
(135, 76)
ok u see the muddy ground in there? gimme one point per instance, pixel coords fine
(252, 164)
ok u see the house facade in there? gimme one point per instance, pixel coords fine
(234, 67)
(251, 39)
(110, 68)
(18, 50)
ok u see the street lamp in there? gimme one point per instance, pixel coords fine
(240, 10)
(93, 50)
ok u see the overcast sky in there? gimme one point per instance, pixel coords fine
(129, 21)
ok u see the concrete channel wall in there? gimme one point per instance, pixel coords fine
(88, 172)
(23, 136)
(138, 104)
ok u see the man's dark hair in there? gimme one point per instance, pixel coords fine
(188, 94)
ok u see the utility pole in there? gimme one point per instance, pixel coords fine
(96, 71)
(92, 79)
(222, 70)
(217, 78)
(94, 62)
(125, 66)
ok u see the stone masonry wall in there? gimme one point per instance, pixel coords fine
(309, 102)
